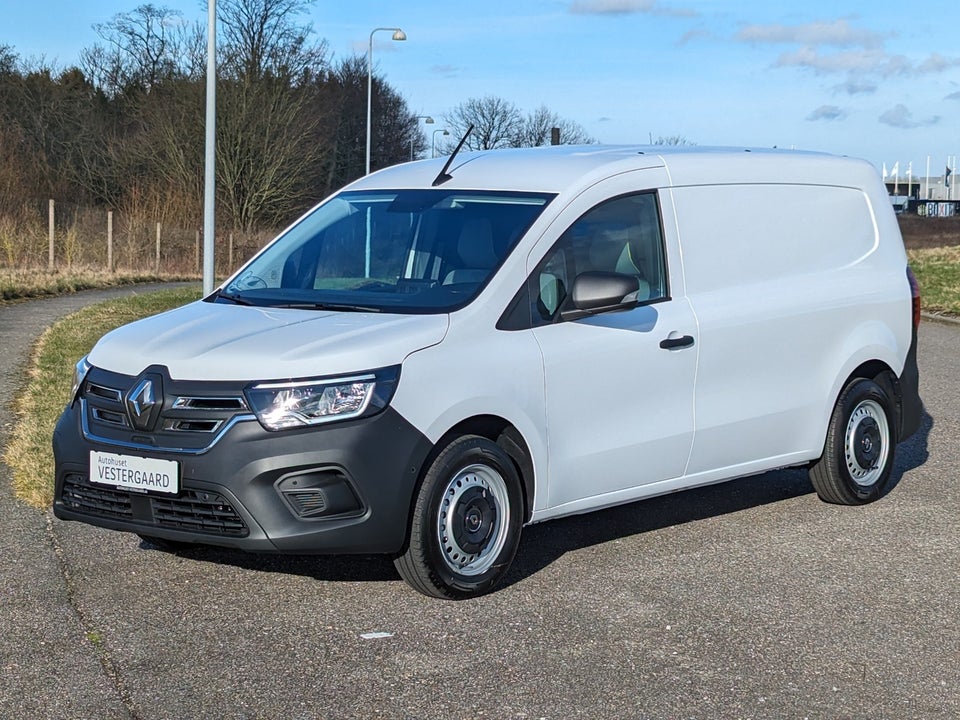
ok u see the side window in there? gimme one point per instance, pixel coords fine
(622, 235)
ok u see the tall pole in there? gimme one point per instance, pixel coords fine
(426, 119)
(209, 175)
(398, 34)
(433, 144)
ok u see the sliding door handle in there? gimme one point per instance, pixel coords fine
(675, 343)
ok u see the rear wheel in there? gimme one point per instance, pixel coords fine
(858, 454)
(466, 521)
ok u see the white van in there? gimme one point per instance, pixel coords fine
(440, 354)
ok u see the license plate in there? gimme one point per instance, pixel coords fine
(135, 473)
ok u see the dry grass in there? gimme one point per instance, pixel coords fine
(922, 232)
(26, 284)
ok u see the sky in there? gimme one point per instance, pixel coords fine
(870, 79)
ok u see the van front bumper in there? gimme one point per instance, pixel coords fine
(335, 488)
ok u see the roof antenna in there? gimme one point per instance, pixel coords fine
(443, 176)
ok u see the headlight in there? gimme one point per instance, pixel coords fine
(297, 403)
(80, 371)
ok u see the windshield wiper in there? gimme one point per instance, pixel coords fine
(339, 307)
(234, 298)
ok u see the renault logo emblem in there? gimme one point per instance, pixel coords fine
(143, 403)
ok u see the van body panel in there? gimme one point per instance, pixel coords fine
(444, 385)
(789, 297)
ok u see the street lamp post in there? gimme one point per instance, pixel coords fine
(398, 34)
(433, 146)
(427, 121)
(210, 152)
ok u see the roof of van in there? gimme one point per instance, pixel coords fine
(555, 168)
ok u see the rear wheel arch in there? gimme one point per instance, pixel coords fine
(882, 374)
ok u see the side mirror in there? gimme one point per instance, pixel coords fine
(598, 292)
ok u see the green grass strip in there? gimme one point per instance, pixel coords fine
(50, 375)
(938, 273)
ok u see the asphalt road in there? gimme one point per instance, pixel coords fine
(751, 599)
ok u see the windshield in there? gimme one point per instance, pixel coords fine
(409, 251)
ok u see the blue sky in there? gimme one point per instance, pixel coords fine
(877, 80)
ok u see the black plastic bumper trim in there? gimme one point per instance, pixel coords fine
(381, 457)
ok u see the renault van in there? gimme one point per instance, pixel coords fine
(446, 351)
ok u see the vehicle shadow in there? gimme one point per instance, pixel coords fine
(543, 544)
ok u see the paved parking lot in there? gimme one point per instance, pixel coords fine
(751, 599)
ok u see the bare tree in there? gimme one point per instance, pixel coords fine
(672, 140)
(142, 49)
(271, 122)
(498, 123)
(126, 128)
(495, 121)
(262, 37)
(395, 126)
(537, 127)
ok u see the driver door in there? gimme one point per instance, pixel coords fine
(619, 385)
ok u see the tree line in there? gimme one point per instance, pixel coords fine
(124, 127)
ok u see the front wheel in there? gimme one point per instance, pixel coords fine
(466, 521)
(858, 454)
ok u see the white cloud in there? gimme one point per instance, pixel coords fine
(856, 86)
(445, 70)
(695, 34)
(827, 112)
(626, 7)
(900, 117)
(838, 33)
(937, 63)
(872, 61)
(953, 96)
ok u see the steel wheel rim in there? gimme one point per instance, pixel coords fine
(866, 443)
(473, 520)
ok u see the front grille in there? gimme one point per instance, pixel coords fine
(80, 496)
(191, 417)
(195, 511)
(198, 511)
(211, 403)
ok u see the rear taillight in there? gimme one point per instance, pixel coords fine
(915, 294)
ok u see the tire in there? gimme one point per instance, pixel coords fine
(858, 454)
(466, 521)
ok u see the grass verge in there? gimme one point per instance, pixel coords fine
(26, 284)
(50, 375)
(938, 272)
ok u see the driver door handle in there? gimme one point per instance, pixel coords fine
(676, 343)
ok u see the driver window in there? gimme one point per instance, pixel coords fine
(621, 235)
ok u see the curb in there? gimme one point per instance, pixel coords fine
(943, 319)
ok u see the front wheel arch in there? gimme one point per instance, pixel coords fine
(505, 434)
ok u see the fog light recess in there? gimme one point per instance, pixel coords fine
(319, 493)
